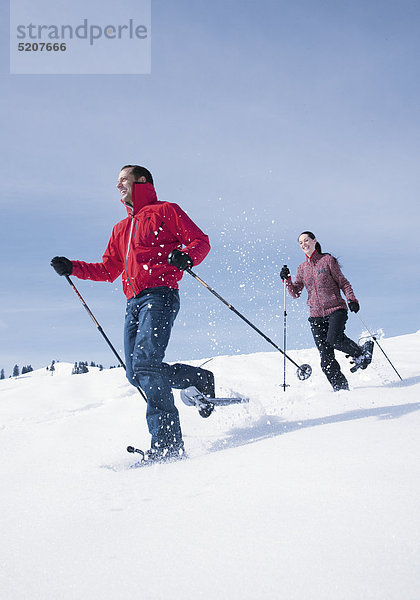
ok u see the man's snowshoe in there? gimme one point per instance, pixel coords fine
(158, 455)
(191, 396)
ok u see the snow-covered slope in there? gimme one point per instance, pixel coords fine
(303, 494)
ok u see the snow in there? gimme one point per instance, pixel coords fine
(303, 494)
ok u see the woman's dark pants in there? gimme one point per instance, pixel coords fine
(329, 335)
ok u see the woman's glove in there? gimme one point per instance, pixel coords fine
(285, 273)
(354, 306)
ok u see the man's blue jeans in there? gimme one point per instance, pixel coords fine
(148, 324)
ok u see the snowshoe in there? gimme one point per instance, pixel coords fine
(364, 360)
(158, 455)
(191, 396)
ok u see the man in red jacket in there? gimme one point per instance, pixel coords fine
(151, 248)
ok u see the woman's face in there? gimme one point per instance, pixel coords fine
(307, 244)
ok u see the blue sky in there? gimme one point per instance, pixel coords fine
(261, 120)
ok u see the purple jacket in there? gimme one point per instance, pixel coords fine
(322, 277)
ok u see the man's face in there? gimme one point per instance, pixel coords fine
(125, 185)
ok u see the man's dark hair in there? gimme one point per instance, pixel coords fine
(138, 172)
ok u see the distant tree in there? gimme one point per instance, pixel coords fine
(80, 367)
(27, 369)
(101, 368)
(2, 374)
(15, 371)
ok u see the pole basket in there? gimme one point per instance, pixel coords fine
(304, 372)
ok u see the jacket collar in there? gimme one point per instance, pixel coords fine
(143, 194)
(315, 256)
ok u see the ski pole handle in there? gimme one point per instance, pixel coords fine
(284, 273)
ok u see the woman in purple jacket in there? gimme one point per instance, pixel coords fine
(321, 275)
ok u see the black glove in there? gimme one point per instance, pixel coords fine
(180, 260)
(62, 265)
(285, 273)
(354, 306)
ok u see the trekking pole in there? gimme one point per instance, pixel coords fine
(303, 371)
(101, 331)
(284, 334)
(379, 346)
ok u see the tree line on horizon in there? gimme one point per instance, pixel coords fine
(79, 367)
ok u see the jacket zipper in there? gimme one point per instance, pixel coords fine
(316, 288)
(128, 252)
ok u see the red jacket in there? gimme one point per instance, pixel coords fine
(140, 245)
(322, 277)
